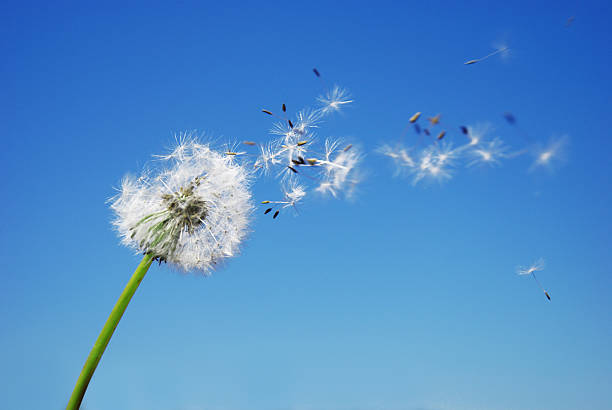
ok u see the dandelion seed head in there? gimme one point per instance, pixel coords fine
(193, 214)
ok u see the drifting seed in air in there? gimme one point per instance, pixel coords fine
(284, 108)
(296, 162)
(314, 70)
(290, 123)
(348, 147)
(426, 131)
(300, 143)
(471, 62)
(267, 211)
(434, 120)
(510, 118)
(267, 112)
(249, 143)
(301, 159)
(275, 214)
(312, 161)
(291, 168)
(464, 129)
(414, 117)
(231, 153)
(441, 135)
(265, 202)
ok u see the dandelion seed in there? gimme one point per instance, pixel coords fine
(434, 120)
(275, 214)
(501, 49)
(489, 153)
(348, 147)
(193, 215)
(441, 135)
(551, 154)
(414, 117)
(267, 112)
(510, 118)
(464, 130)
(333, 100)
(314, 70)
(249, 143)
(267, 211)
(426, 131)
(531, 270)
(292, 169)
(284, 108)
(339, 170)
(290, 123)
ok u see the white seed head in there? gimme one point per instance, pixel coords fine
(193, 214)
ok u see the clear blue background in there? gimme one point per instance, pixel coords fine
(405, 298)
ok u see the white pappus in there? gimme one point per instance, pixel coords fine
(193, 213)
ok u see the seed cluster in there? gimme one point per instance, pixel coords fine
(185, 212)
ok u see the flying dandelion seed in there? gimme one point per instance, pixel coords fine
(334, 100)
(293, 194)
(414, 117)
(489, 153)
(434, 120)
(503, 50)
(338, 170)
(531, 270)
(296, 154)
(550, 155)
(510, 118)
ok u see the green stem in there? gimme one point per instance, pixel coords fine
(107, 331)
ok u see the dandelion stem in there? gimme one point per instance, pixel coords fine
(107, 331)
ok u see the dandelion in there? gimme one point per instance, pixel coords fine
(193, 214)
(333, 100)
(531, 270)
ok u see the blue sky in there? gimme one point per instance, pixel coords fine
(404, 298)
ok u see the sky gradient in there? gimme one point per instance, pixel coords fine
(404, 298)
